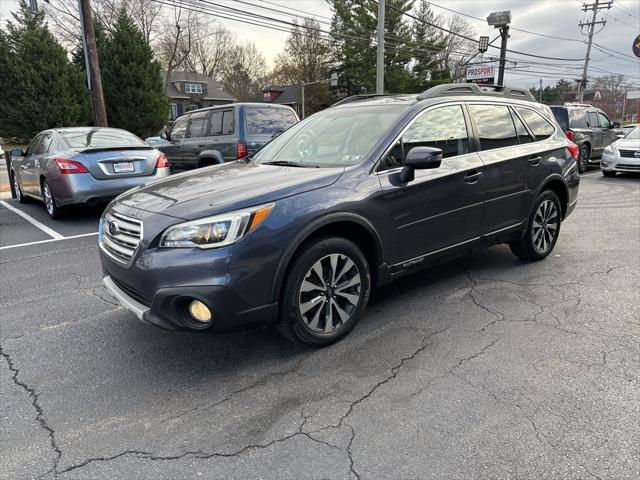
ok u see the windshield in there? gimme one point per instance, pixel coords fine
(634, 134)
(332, 138)
(100, 138)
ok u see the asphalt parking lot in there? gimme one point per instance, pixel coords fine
(483, 368)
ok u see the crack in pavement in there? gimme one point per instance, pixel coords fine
(35, 402)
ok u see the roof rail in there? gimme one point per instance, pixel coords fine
(356, 98)
(476, 89)
(576, 104)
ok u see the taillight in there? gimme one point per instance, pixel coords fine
(241, 151)
(70, 166)
(574, 150)
(570, 135)
(162, 161)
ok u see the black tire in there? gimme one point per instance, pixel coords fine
(16, 186)
(583, 158)
(323, 322)
(608, 173)
(50, 203)
(539, 240)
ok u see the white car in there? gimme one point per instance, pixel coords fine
(622, 155)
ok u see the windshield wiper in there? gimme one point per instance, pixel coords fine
(286, 163)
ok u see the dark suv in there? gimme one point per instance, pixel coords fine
(589, 128)
(354, 196)
(214, 135)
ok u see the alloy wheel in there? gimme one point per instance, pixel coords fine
(584, 159)
(330, 293)
(545, 225)
(48, 198)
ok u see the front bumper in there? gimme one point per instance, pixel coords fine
(611, 163)
(83, 188)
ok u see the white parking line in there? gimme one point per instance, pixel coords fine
(48, 241)
(52, 233)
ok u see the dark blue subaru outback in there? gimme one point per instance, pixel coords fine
(354, 196)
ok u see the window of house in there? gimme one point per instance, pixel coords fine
(195, 88)
(540, 127)
(495, 126)
(174, 111)
(197, 124)
(179, 128)
(442, 128)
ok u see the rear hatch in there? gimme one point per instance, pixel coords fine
(112, 163)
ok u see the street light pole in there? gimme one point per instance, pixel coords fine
(380, 61)
(94, 80)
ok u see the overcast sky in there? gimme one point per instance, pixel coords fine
(550, 17)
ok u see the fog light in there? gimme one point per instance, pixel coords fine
(199, 311)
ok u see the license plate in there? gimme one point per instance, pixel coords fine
(123, 167)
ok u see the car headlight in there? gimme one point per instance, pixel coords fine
(611, 150)
(217, 231)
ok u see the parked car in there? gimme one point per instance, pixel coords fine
(68, 166)
(626, 129)
(589, 128)
(354, 196)
(224, 133)
(622, 155)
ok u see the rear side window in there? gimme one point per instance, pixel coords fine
(179, 128)
(539, 125)
(495, 126)
(593, 120)
(216, 123)
(196, 124)
(579, 119)
(268, 121)
(521, 130)
(227, 122)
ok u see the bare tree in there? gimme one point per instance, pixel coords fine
(245, 72)
(174, 45)
(458, 50)
(211, 45)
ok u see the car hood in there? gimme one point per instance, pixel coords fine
(625, 143)
(223, 188)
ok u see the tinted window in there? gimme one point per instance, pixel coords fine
(604, 121)
(540, 127)
(216, 123)
(267, 121)
(196, 124)
(179, 128)
(521, 130)
(562, 116)
(593, 120)
(442, 128)
(495, 127)
(34, 146)
(100, 137)
(579, 119)
(227, 122)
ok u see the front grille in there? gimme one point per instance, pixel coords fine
(122, 240)
(628, 153)
(132, 292)
(626, 166)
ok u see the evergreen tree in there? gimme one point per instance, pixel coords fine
(429, 44)
(40, 87)
(133, 91)
(354, 31)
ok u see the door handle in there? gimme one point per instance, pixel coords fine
(535, 161)
(473, 176)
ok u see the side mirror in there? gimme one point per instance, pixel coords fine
(420, 158)
(164, 135)
(615, 125)
(16, 152)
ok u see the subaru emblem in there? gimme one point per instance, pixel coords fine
(114, 228)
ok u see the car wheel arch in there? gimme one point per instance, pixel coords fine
(210, 157)
(556, 184)
(346, 225)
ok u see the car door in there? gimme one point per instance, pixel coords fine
(596, 133)
(221, 137)
(173, 148)
(442, 207)
(27, 170)
(194, 142)
(507, 162)
(608, 132)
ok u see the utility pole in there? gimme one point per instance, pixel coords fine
(540, 90)
(380, 62)
(586, 7)
(94, 80)
(504, 33)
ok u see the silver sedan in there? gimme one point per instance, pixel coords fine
(79, 165)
